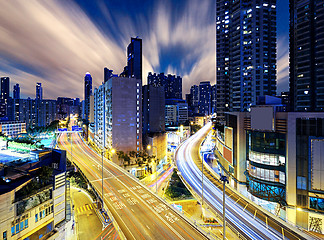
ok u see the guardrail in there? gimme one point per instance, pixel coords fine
(279, 222)
(219, 215)
(115, 224)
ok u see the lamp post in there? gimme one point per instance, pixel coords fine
(71, 147)
(202, 183)
(112, 151)
(149, 147)
(224, 179)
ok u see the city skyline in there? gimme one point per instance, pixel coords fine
(57, 43)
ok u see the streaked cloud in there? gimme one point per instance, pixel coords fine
(55, 42)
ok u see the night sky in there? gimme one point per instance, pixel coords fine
(57, 42)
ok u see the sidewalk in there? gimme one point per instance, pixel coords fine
(84, 223)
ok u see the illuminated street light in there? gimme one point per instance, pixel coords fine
(149, 147)
(224, 179)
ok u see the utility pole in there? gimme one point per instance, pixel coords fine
(202, 183)
(71, 147)
(224, 179)
(102, 183)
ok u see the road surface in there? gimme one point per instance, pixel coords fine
(239, 218)
(139, 213)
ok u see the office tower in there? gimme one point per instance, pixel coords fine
(153, 109)
(306, 69)
(87, 94)
(16, 91)
(5, 87)
(172, 84)
(118, 114)
(204, 103)
(246, 53)
(39, 91)
(134, 58)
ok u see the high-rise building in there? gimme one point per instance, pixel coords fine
(134, 58)
(5, 87)
(306, 69)
(172, 84)
(16, 91)
(118, 114)
(4, 96)
(204, 103)
(34, 112)
(87, 94)
(213, 99)
(194, 92)
(246, 53)
(153, 109)
(39, 91)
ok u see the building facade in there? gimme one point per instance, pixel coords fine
(204, 103)
(39, 91)
(118, 114)
(67, 106)
(5, 83)
(176, 112)
(172, 84)
(153, 109)
(30, 212)
(16, 91)
(279, 156)
(306, 70)
(246, 53)
(134, 58)
(33, 112)
(87, 94)
(12, 128)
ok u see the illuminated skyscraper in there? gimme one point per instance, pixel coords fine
(16, 91)
(134, 58)
(39, 91)
(87, 94)
(306, 67)
(4, 87)
(246, 53)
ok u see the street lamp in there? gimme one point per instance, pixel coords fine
(149, 147)
(71, 147)
(224, 179)
(202, 184)
(112, 151)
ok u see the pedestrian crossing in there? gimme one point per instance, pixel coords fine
(84, 208)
